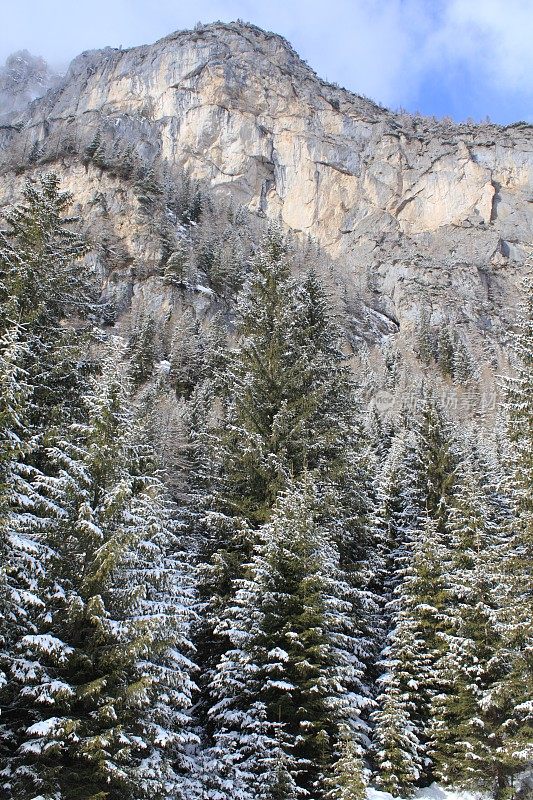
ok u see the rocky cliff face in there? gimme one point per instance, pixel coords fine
(414, 216)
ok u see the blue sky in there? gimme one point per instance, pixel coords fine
(462, 58)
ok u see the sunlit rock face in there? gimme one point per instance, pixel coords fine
(411, 212)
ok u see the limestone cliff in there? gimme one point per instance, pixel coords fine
(411, 214)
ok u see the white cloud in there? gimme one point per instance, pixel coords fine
(383, 48)
(496, 35)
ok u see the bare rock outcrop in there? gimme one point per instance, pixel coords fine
(411, 212)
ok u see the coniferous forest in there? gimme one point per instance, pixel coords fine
(308, 599)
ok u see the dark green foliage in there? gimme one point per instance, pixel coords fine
(176, 266)
(44, 287)
(96, 152)
(445, 351)
(463, 745)
(294, 634)
(37, 255)
(187, 365)
(288, 394)
(444, 346)
(117, 607)
(425, 344)
(143, 351)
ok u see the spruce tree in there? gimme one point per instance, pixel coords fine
(143, 351)
(37, 258)
(415, 509)
(177, 265)
(23, 557)
(41, 287)
(410, 678)
(295, 654)
(509, 699)
(288, 407)
(463, 746)
(41, 279)
(347, 780)
(186, 356)
(111, 683)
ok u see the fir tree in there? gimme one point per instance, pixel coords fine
(509, 699)
(463, 746)
(142, 351)
(41, 279)
(186, 356)
(111, 682)
(295, 653)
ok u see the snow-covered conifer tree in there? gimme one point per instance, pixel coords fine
(41, 279)
(294, 663)
(143, 351)
(109, 694)
(509, 700)
(409, 676)
(186, 357)
(22, 555)
(288, 408)
(462, 736)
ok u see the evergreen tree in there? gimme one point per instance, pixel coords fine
(392, 518)
(186, 356)
(110, 684)
(425, 346)
(463, 744)
(123, 160)
(226, 267)
(287, 398)
(446, 349)
(95, 151)
(295, 653)
(41, 287)
(464, 367)
(177, 265)
(288, 407)
(412, 525)
(37, 256)
(410, 679)
(41, 280)
(22, 556)
(434, 457)
(347, 781)
(142, 351)
(509, 699)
